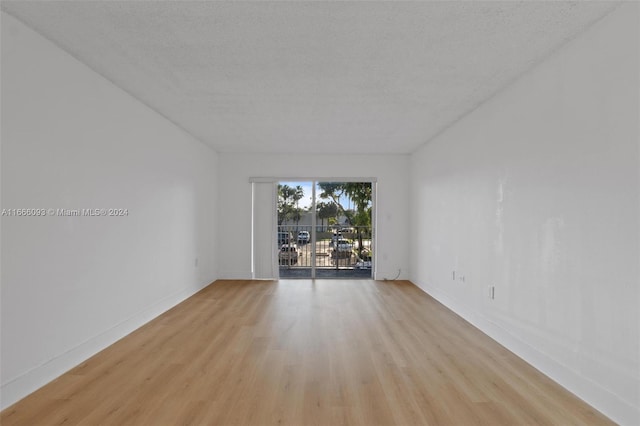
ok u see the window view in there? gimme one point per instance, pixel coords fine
(325, 229)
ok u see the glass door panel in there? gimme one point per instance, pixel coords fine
(328, 235)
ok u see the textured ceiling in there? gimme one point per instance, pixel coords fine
(310, 77)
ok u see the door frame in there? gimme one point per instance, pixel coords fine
(314, 181)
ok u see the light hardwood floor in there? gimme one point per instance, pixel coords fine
(304, 352)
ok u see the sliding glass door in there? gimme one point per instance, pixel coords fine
(325, 229)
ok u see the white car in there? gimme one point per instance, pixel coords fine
(288, 254)
(343, 249)
(363, 264)
(334, 239)
(304, 237)
(344, 245)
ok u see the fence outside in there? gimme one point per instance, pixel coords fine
(339, 249)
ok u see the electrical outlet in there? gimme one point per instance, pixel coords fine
(453, 275)
(196, 262)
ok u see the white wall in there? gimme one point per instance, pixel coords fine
(234, 230)
(537, 193)
(73, 285)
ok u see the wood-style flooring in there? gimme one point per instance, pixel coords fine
(324, 352)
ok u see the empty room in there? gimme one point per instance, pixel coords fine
(320, 213)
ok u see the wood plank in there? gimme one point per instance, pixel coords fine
(303, 352)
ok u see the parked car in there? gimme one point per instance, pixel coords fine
(344, 245)
(343, 249)
(363, 264)
(304, 237)
(288, 254)
(334, 238)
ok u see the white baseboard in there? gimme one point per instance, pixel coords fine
(234, 274)
(608, 403)
(21, 386)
